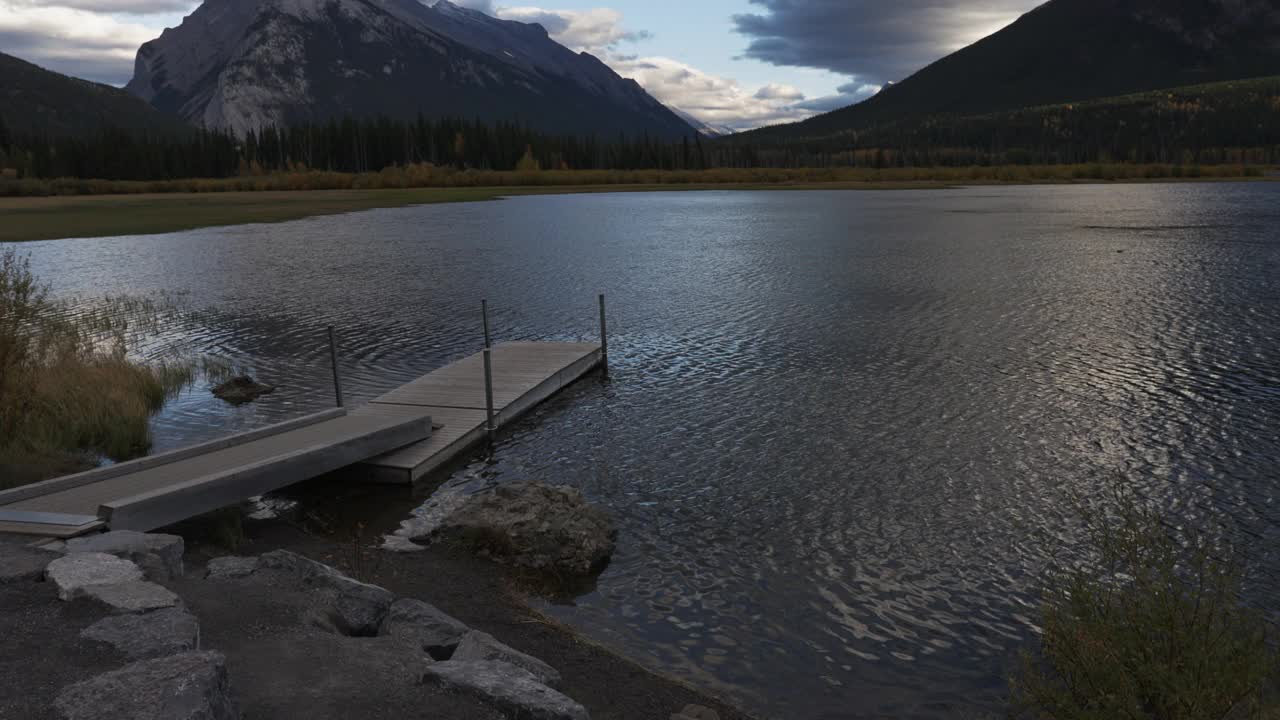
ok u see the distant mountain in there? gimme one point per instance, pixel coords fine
(38, 101)
(1073, 50)
(704, 129)
(243, 64)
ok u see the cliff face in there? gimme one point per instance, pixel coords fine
(243, 64)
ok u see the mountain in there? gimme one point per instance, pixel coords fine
(706, 130)
(243, 64)
(1072, 50)
(38, 101)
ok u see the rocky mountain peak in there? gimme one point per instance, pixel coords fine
(244, 64)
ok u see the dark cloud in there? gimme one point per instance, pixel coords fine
(871, 40)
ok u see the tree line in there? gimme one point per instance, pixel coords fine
(1222, 124)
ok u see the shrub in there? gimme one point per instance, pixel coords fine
(68, 390)
(1154, 630)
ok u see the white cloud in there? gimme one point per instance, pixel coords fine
(711, 98)
(129, 7)
(596, 31)
(76, 42)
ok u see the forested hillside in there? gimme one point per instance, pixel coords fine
(38, 101)
(1228, 122)
(1068, 51)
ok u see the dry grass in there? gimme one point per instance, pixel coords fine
(69, 392)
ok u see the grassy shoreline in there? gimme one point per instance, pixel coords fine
(79, 216)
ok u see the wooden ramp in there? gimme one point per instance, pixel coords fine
(391, 440)
(159, 490)
(524, 374)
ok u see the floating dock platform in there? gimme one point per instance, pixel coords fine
(397, 438)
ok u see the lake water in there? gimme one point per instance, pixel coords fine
(845, 430)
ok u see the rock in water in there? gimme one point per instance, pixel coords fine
(511, 688)
(240, 390)
(189, 686)
(160, 556)
(155, 634)
(75, 573)
(536, 526)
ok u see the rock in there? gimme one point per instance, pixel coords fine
(230, 568)
(536, 526)
(360, 608)
(132, 597)
(356, 608)
(433, 631)
(18, 564)
(696, 712)
(142, 637)
(74, 573)
(188, 686)
(160, 556)
(304, 569)
(478, 646)
(240, 390)
(512, 689)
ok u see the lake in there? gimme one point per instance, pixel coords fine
(845, 431)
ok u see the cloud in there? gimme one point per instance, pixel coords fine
(484, 6)
(713, 99)
(72, 41)
(774, 91)
(869, 39)
(126, 7)
(596, 31)
(723, 102)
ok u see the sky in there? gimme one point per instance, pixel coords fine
(729, 63)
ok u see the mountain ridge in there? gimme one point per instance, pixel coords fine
(243, 64)
(1074, 50)
(34, 100)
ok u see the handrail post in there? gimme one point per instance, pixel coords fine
(333, 359)
(488, 395)
(604, 340)
(484, 314)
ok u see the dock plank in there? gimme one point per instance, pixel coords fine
(524, 374)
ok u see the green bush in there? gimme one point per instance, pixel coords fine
(1154, 630)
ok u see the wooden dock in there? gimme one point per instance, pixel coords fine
(524, 374)
(389, 440)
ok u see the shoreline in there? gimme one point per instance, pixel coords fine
(65, 217)
(282, 658)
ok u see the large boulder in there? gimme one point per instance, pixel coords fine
(478, 646)
(424, 625)
(74, 574)
(535, 526)
(160, 556)
(347, 605)
(188, 686)
(142, 637)
(512, 689)
(302, 568)
(360, 608)
(132, 597)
